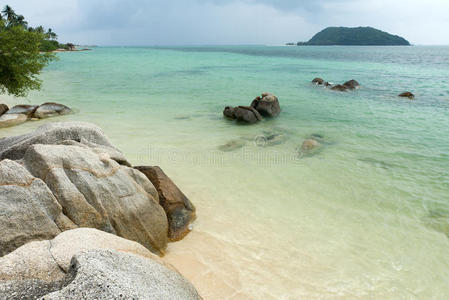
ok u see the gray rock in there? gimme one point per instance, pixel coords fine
(28, 209)
(228, 112)
(8, 120)
(49, 261)
(23, 109)
(56, 133)
(351, 84)
(95, 191)
(247, 114)
(267, 105)
(108, 274)
(180, 211)
(51, 109)
(3, 108)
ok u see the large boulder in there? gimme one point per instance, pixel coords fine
(23, 109)
(95, 191)
(106, 274)
(8, 120)
(51, 109)
(49, 261)
(247, 114)
(3, 108)
(62, 132)
(407, 95)
(267, 105)
(180, 211)
(28, 209)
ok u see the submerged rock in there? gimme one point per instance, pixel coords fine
(407, 95)
(232, 145)
(3, 108)
(309, 144)
(51, 109)
(178, 208)
(8, 120)
(27, 110)
(267, 105)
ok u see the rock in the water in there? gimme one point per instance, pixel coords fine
(407, 95)
(57, 133)
(309, 144)
(351, 84)
(228, 112)
(51, 109)
(232, 145)
(267, 105)
(180, 211)
(95, 191)
(8, 120)
(340, 88)
(28, 209)
(247, 114)
(3, 108)
(48, 261)
(318, 81)
(108, 274)
(27, 110)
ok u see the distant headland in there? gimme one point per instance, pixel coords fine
(356, 36)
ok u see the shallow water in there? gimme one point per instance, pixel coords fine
(366, 216)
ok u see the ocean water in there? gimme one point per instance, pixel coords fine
(365, 216)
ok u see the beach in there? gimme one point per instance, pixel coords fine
(366, 216)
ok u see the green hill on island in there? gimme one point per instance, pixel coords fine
(357, 36)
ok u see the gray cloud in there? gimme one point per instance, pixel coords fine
(150, 22)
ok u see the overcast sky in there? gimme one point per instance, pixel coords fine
(181, 22)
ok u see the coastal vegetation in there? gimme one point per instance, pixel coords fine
(357, 36)
(24, 52)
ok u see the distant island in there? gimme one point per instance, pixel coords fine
(356, 36)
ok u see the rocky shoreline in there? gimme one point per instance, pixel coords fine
(78, 221)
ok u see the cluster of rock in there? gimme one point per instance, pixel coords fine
(65, 176)
(348, 85)
(351, 85)
(22, 113)
(266, 105)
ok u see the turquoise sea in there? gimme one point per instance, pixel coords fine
(366, 216)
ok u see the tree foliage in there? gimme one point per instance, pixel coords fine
(21, 56)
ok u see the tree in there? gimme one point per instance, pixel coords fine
(20, 58)
(9, 15)
(51, 35)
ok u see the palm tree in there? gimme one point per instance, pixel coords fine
(20, 20)
(51, 35)
(9, 14)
